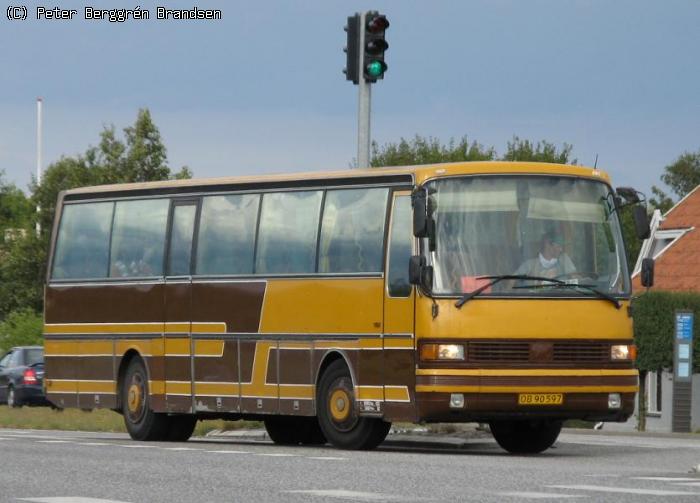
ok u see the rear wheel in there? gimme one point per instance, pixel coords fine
(337, 412)
(526, 437)
(294, 430)
(141, 422)
(12, 400)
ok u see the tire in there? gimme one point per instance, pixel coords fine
(526, 437)
(141, 422)
(294, 430)
(338, 416)
(12, 401)
(180, 428)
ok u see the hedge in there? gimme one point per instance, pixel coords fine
(654, 328)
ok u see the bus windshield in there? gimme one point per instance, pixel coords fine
(560, 235)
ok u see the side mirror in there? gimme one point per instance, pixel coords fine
(647, 274)
(419, 273)
(415, 266)
(641, 222)
(419, 201)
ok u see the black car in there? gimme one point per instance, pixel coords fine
(22, 377)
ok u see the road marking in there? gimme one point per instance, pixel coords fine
(93, 443)
(668, 479)
(626, 490)
(179, 449)
(324, 458)
(278, 455)
(229, 452)
(70, 499)
(352, 495)
(55, 442)
(136, 446)
(539, 496)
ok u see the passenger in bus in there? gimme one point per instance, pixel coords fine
(551, 261)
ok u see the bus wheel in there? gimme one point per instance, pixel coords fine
(180, 428)
(525, 437)
(337, 412)
(294, 430)
(141, 422)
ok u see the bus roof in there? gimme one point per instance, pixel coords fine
(419, 173)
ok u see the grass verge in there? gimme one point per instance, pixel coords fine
(45, 418)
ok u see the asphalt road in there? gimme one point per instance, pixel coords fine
(75, 467)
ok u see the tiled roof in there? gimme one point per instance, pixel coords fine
(678, 268)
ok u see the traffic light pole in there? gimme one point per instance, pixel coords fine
(364, 106)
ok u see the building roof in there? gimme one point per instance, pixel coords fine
(677, 264)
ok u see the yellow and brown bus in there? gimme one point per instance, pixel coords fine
(329, 305)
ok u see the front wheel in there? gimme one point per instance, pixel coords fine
(337, 412)
(526, 437)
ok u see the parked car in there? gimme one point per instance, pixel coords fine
(22, 377)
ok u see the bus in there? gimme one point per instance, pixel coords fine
(329, 305)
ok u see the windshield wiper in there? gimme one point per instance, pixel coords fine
(496, 279)
(590, 288)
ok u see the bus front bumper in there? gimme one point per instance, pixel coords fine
(483, 394)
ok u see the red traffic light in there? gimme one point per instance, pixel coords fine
(377, 24)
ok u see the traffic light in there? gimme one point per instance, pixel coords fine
(352, 67)
(370, 54)
(375, 45)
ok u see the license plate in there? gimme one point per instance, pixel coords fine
(540, 399)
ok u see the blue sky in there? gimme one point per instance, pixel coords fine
(262, 90)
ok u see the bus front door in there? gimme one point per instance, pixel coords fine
(399, 297)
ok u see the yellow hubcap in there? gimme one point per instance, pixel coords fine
(340, 405)
(134, 398)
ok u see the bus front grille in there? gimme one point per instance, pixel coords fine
(579, 352)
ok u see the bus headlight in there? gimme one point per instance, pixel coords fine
(623, 352)
(442, 352)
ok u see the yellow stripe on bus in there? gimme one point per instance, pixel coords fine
(134, 328)
(525, 389)
(527, 372)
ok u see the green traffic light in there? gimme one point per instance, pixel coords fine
(376, 69)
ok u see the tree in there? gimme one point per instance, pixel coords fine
(21, 328)
(542, 151)
(421, 150)
(22, 271)
(682, 176)
(429, 150)
(15, 209)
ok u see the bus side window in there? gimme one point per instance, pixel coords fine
(226, 241)
(288, 233)
(138, 238)
(82, 246)
(400, 239)
(352, 231)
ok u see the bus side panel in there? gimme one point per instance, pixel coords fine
(88, 327)
(296, 387)
(225, 318)
(330, 314)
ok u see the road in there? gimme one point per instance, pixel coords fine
(77, 467)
